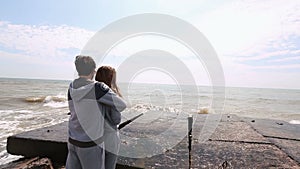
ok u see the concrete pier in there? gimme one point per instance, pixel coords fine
(235, 143)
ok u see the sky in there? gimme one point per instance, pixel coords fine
(257, 42)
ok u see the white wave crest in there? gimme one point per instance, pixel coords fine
(294, 122)
(54, 104)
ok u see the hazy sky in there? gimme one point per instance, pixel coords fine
(257, 41)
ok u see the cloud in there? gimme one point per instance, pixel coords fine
(123, 51)
(278, 67)
(287, 59)
(254, 40)
(25, 66)
(179, 6)
(42, 40)
(24, 49)
(251, 37)
(264, 55)
(270, 76)
(249, 27)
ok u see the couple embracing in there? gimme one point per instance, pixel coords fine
(95, 113)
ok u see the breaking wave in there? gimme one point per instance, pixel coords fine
(294, 122)
(58, 101)
(45, 99)
(146, 107)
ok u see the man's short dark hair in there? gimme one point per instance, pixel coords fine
(85, 65)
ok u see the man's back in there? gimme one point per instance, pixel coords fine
(87, 119)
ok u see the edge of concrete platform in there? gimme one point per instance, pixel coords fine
(226, 134)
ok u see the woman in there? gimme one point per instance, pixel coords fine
(107, 75)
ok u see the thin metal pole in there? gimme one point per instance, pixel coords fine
(190, 128)
(129, 121)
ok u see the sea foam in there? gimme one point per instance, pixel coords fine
(45, 99)
(294, 122)
(54, 104)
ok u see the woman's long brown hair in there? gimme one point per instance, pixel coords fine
(108, 75)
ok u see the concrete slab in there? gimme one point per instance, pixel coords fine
(52, 142)
(229, 128)
(217, 117)
(44, 142)
(58, 133)
(205, 124)
(177, 157)
(237, 131)
(235, 144)
(291, 147)
(214, 154)
(275, 128)
(230, 118)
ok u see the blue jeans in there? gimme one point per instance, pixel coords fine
(85, 158)
(112, 146)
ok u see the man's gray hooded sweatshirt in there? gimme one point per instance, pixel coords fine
(87, 102)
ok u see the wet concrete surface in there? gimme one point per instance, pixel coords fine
(233, 143)
(275, 128)
(291, 147)
(44, 142)
(213, 154)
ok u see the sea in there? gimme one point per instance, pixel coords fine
(27, 104)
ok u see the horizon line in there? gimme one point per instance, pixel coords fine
(200, 85)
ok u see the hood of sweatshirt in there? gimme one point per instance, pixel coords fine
(80, 88)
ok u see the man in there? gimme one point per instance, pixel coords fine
(86, 123)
